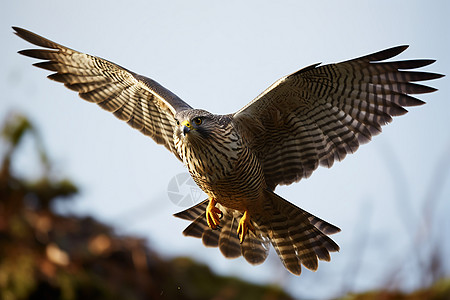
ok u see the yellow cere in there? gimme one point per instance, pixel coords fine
(186, 123)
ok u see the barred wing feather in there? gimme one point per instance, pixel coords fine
(140, 101)
(319, 114)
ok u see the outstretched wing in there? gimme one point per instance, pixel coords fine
(141, 102)
(317, 115)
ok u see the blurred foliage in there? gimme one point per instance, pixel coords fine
(44, 255)
(438, 291)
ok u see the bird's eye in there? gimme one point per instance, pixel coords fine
(197, 121)
(178, 122)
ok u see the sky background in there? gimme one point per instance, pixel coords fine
(218, 56)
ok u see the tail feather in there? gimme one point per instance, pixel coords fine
(193, 212)
(255, 250)
(197, 227)
(255, 247)
(210, 238)
(307, 233)
(299, 238)
(282, 244)
(322, 225)
(228, 239)
(306, 255)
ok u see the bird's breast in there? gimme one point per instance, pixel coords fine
(236, 184)
(224, 169)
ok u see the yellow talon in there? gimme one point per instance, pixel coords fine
(212, 214)
(244, 226)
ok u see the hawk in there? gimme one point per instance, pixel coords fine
(312, 117)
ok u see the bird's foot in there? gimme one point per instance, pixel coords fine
(244, 226)
(212, 214)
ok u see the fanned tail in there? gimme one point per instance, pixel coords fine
(255, 248)
(297, 236)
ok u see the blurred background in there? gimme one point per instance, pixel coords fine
(391, 198)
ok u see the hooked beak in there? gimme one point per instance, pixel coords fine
(186, 127)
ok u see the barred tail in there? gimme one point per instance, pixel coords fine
(254, 249)
(297, 236)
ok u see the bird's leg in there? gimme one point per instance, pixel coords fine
(244, 226)
(212, 214)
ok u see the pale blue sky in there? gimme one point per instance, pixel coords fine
(219, 56)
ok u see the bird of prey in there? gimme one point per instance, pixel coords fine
(312, 117)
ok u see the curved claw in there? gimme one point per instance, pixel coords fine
(244, 226)
(212, 214)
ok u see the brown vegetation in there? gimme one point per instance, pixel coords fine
(44, 255)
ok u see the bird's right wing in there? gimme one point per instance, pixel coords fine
(140, 101)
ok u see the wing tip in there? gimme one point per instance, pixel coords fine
(403, 47)
(436, 75)
(382, 54)
(35, 39)
(18, 30)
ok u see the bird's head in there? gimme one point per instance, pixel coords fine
(195, 125)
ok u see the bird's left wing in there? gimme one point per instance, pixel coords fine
(317, 115)
(140, 101)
